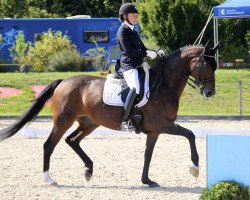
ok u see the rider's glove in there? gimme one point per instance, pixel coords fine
(151, 54)
(160, 53)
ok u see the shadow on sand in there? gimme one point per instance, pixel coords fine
(178, 189)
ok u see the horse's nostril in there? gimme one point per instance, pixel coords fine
(209, 94)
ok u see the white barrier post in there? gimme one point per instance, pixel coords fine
(240, 97)
(28, 132)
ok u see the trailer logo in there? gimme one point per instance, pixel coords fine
(9, 38)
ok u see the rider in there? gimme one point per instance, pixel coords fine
(132, 53)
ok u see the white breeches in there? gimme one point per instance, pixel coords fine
(132, 79)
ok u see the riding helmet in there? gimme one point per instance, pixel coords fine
(127, 8)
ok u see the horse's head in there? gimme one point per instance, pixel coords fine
(202, 69)
(196, 61)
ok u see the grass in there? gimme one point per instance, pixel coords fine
(225, 102)
(19, 80)
(14, 106)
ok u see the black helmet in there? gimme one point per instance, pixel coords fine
(127, 8)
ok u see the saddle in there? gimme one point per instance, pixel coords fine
(116, 90)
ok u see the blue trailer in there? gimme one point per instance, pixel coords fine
(83, 32)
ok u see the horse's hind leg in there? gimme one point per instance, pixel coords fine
(73, 140)
(55, 136)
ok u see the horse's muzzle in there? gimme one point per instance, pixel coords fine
(207, 92)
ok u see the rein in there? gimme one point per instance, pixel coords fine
(190, 81)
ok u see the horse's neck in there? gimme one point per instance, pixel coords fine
(176, 77)
(174, 81)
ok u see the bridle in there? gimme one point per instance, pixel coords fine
(190, 80)
(200, 83)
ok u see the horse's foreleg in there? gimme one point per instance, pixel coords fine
(73, 140)
(175, 129)
(150, 144)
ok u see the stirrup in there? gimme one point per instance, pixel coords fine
(127, 126)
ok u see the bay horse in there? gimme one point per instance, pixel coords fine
(79, 98)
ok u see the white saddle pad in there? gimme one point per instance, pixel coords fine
(113, 87)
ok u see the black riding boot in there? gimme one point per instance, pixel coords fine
(126, 123)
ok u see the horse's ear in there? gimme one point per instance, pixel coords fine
(216, 47)
(206, 45)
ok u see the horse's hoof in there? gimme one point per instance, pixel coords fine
(87, 175)
(150, 183)
(53, 184)
(194, 170)
(153, 185)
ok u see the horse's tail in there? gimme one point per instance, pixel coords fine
(31, 112)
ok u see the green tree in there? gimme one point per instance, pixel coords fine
(35, 12)
(232, 35)
(1, 9)
(14, 8)
(42, 4)
(50, 43)
(19, 49)
(94, 8)
(108, 8)
(58, 8)
(173, 24)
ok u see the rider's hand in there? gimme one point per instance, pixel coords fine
(160, 53)
(151, 54)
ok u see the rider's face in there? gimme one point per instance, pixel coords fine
(133, 18)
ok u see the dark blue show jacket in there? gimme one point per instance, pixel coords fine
(132, 48)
